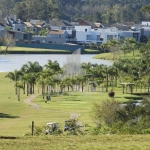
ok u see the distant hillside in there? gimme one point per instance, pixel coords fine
(104, 11)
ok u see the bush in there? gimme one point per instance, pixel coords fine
(111, 94)
(129, 119)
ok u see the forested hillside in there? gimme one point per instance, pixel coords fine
(104, 11)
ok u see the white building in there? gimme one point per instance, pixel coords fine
(84, 34)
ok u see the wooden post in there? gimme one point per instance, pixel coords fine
(32, 129)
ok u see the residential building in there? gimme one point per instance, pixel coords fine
(84, 34)
(56, 24)
(87, 23)
(14, 23)
(18, 35)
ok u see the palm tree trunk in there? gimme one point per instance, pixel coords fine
(107, 83)
(24, 87)
(82, 86)
(16, 87)
(27, 89)
(33, 87)
(43, 91)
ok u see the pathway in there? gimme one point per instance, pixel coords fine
(36, 106)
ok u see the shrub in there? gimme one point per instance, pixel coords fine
(111, 94)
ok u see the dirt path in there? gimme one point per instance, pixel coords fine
(29, 101)
(36, 106)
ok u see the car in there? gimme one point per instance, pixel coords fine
(51, 127)
(70, 125)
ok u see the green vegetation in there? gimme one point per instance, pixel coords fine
(115, 49)
(16, 117)
(105, 12)
(110, 56)
(27, 49)
(103, 142)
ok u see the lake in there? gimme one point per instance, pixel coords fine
(10, 62)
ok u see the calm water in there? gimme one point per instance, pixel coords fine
(15, 61)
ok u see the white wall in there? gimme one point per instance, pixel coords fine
(96, 35)
(19, 27)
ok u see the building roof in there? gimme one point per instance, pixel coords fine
(28, 24)
(56, 32)
(120, 26)
(99, 25)
(41, 22)
(60, 23)
(129, 23)
(89, 23)
(33, 21)
(15, 31)
(39, 26)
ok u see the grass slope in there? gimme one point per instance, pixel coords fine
(110, 56)
(16, 117)
(103, 142)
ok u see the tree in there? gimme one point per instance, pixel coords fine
(145, 8)
(105, 113)
(37, 9)
(9, 42)
(14, 76)
(32, 69)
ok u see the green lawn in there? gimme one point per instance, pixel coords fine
(32, 49)
(103, 142)
(16, 117)
(110, 56)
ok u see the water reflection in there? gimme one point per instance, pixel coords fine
(15, 61)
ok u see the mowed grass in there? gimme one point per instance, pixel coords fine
(110, 56)
(88, 142)
(33, 49)
(16, 117)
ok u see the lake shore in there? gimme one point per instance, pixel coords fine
(26, 50)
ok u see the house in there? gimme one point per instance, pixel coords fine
(18, 35)
(14, 23)
(99, 25)
(85, 34)
(145, 24)
(133, 34)
(87, 23)
(53, 36)
(30, 27)
(56, 24)
(2, 26)
(120, 26)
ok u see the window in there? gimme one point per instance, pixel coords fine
(98, 37)
(101, 39)
(135, 35)
(110, 37)
(88, 37)
(18, 29)
(25, 36)
(85, 30)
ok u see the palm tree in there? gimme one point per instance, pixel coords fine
(32, 69)
(14, 76)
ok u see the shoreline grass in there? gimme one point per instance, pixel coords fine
(111, 56)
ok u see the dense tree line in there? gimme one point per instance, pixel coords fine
(105, 11)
